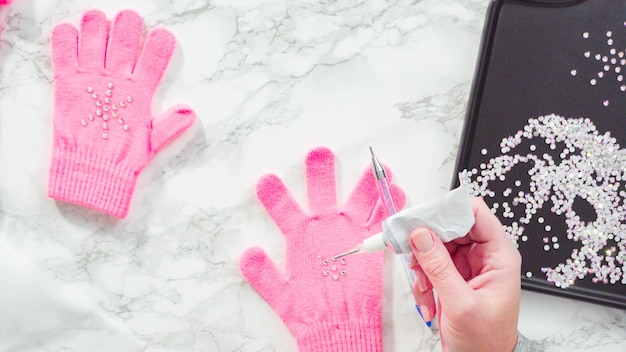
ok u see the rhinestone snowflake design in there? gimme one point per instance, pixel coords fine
(611, 63)
(106, 110)
(333, 268)
(590, 167)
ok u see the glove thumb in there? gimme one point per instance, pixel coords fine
(170, 125)
(435, 261)
(265, 277)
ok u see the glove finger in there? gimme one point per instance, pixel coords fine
(154, 58)
(124, 41)
(170, 125)
(280, 205)
(264, 276)
(380, 211)
(94, 31)
(362, 201)
(64, 42)
(320, 181)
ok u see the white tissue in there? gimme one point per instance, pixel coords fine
(449, 216)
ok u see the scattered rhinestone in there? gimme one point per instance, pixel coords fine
(610, 63)
(592, 168)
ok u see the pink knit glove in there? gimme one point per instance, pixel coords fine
(327, 305)
(104, 135)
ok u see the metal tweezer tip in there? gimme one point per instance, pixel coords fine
(352, 251)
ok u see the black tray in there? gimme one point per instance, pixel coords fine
(561, 61)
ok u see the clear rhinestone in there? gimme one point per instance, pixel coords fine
(89, 89)
(110, 85)
(105, 126)
(105, 136)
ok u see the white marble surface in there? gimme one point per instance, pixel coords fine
(269, 80)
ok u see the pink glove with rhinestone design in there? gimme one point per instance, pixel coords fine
(103, 131)
(327, 305)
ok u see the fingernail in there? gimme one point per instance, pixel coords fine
(425, 312)
(422, 240)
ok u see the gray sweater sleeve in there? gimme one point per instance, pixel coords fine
(524, 344)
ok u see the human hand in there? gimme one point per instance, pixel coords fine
(477, 280)
(327, 305)
(104, 79)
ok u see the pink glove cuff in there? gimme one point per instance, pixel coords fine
(91, 179)
(326, 336)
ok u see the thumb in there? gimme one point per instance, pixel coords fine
(435, 261)
(170, 125)
(265, 277)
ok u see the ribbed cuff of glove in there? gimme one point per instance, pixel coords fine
(92, 180)
(341, 336)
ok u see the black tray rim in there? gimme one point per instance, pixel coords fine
(465, 144)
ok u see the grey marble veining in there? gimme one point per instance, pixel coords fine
(269, 80)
